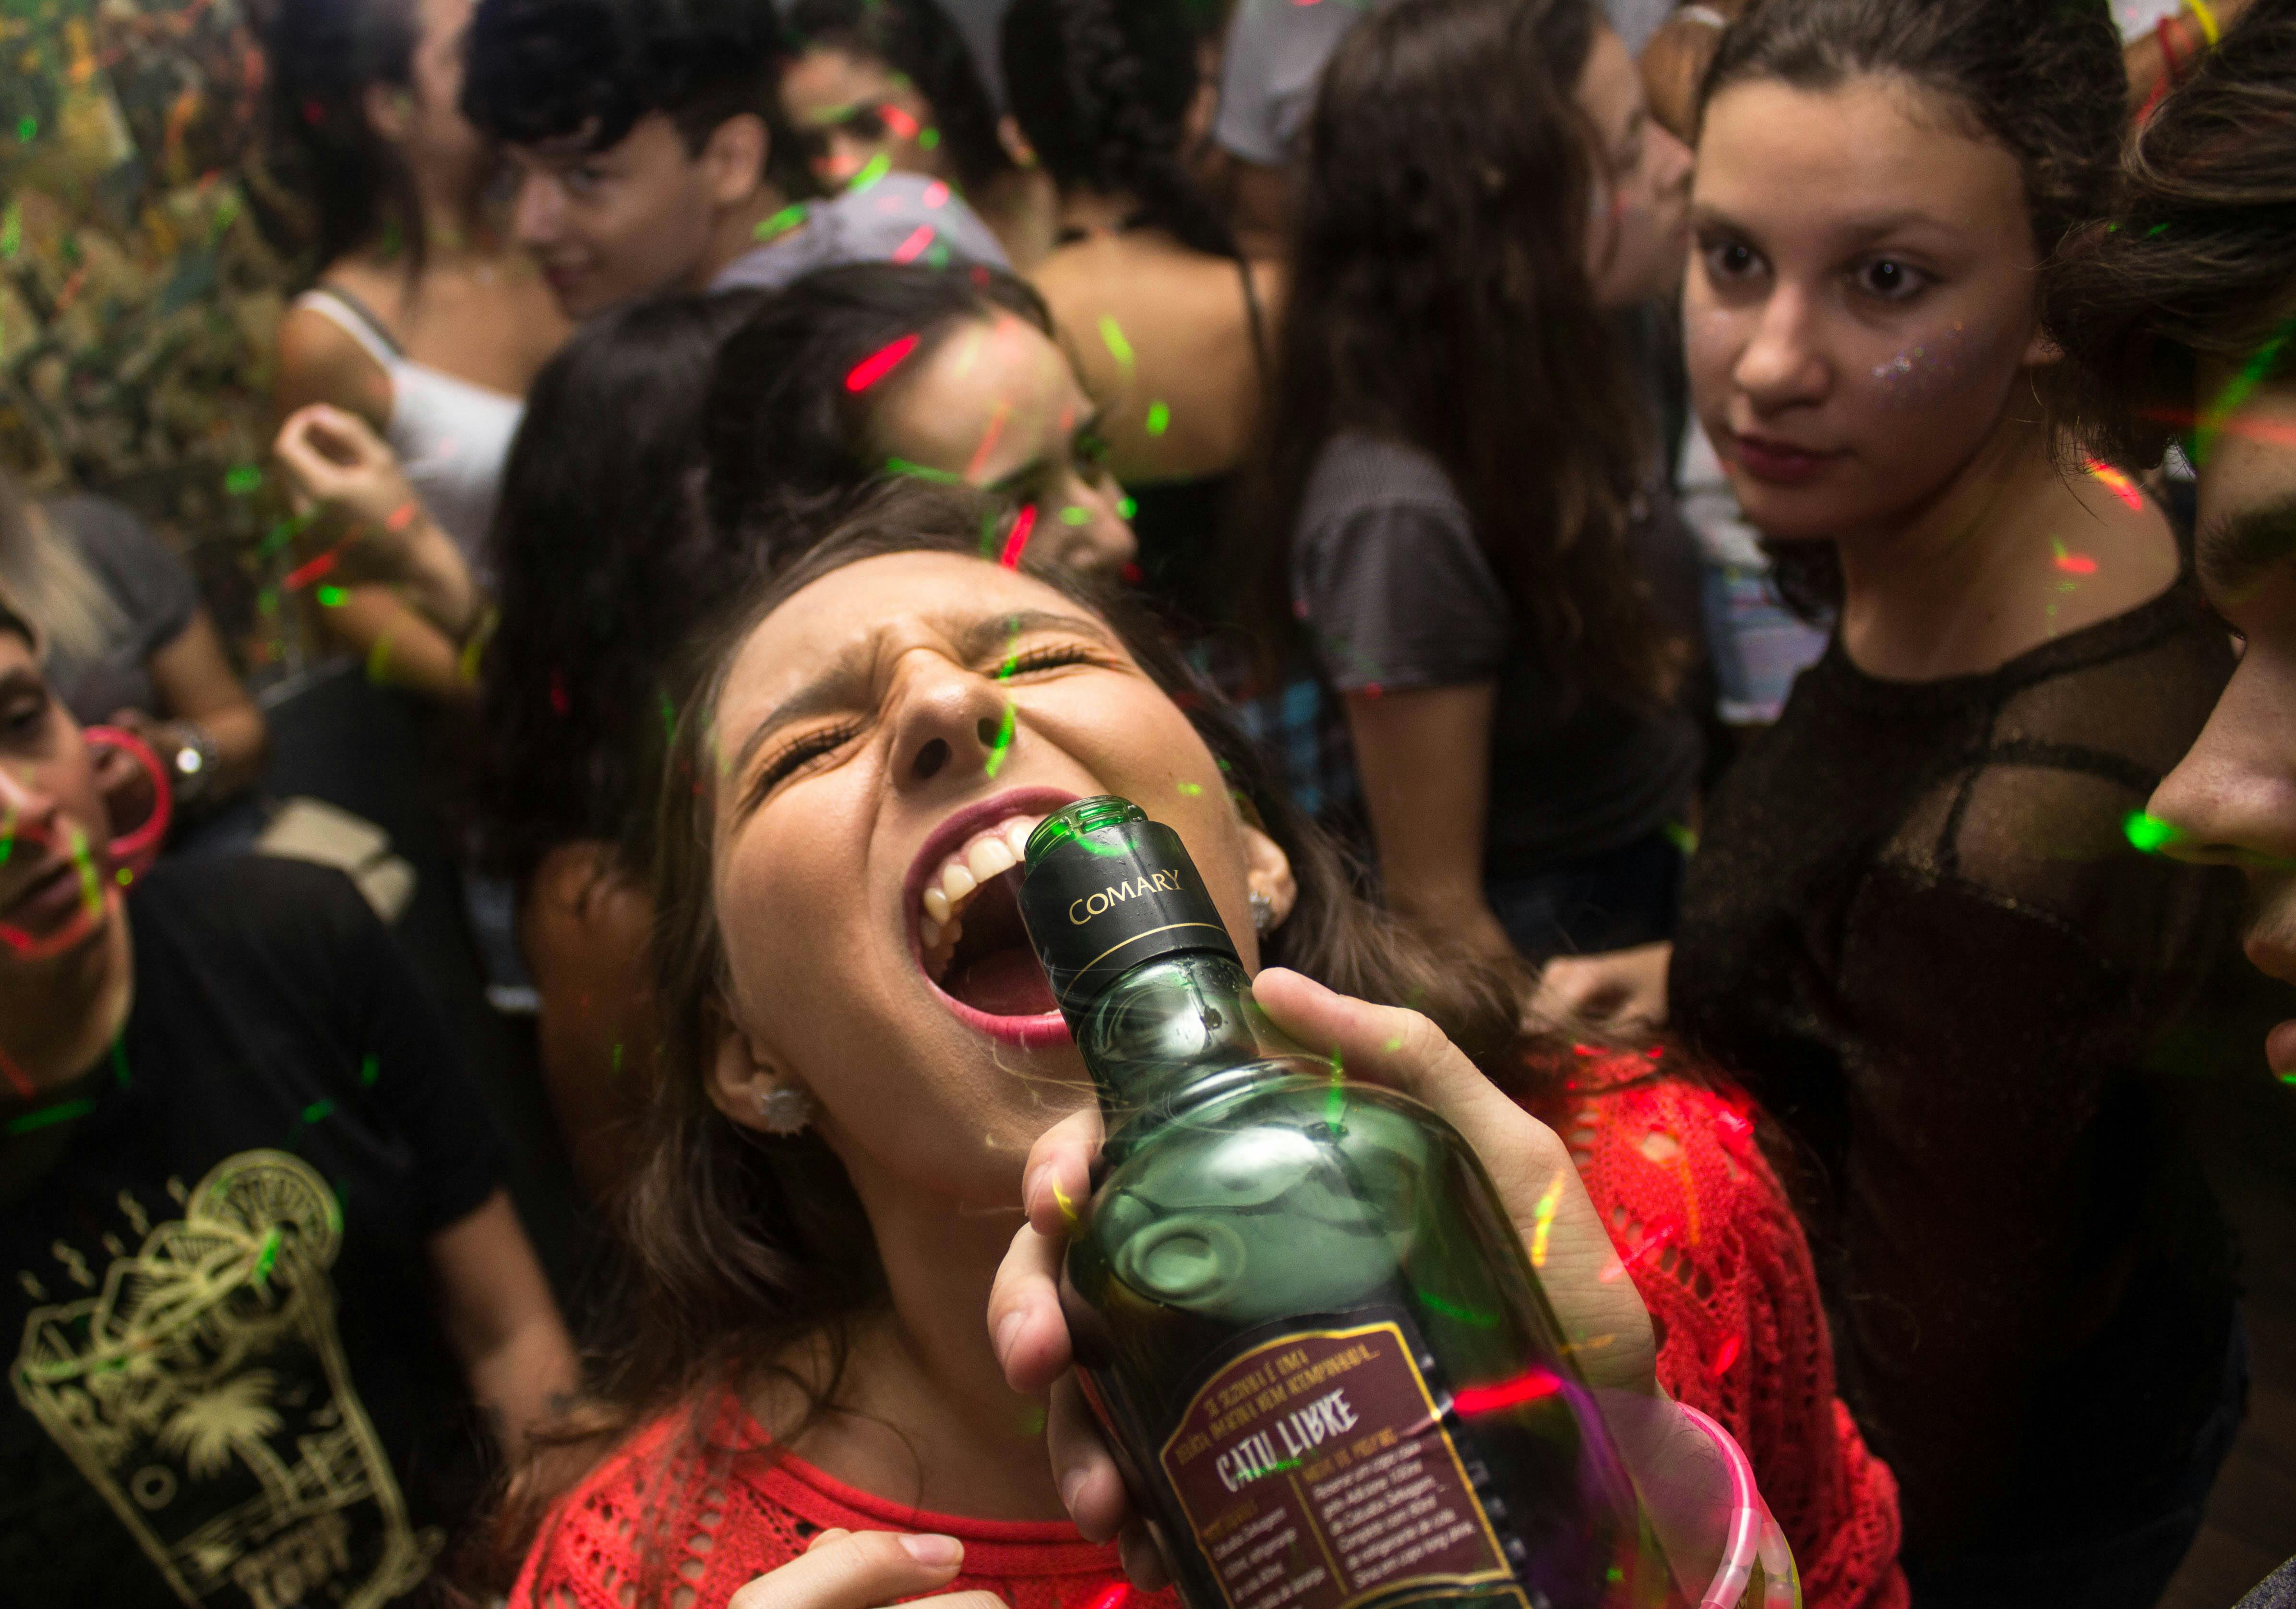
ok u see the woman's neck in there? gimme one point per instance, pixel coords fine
(1097, 211)
(2007, 555)
(56, 1017)
(927, 1418)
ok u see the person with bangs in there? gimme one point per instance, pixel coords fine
(895, 82)
(858, 1051)
(1461, 505)
(2176, 312)
(1915, 926)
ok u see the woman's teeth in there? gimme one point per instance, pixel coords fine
(990, 853)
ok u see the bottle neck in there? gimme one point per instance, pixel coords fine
(1160, 1038)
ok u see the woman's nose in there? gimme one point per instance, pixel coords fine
(1095, 537)
(1781, 363)
(951, 721)
(2233, 798)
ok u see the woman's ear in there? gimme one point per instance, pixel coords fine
(740, 1079)
(390, 109)
(1016, 143)
(1267, 874)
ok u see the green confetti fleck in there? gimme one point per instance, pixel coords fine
(2149, 834)
(1111, 336)
(12, 229)
(1126, 507)
(1464, 1315)
(245, 478)
(1681, 837)
(930, 140)
(878, 166)
(369, 1071)
(332, 597)
(63, 1111)
(123, 876)
(924, 472)
(1004, 744)
(27, 129)
(1160, 418)
(788, 219)
(267, 1256)
(1074, 515)
(318, 1111)
(2157, 229)
(1193, 790)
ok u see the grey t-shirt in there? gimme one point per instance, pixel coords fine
(901, 217)
(1275, 55)
(1397, 594)
(152, 591)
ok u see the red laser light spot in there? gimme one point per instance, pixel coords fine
(900, 122)
(2077, 563)
(1725, 1355)
(401, 517)
(1019, 540)
(1111, 1597)
(879, 363)
(1532, 1385)
(936, 194)
(913, 248)
(303, 575)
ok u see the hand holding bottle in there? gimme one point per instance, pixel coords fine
(863, 1569)
(1537, 1182)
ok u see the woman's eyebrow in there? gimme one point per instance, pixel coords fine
(1012, 483)
(987, 637)
(829, 691)
(2232, 554)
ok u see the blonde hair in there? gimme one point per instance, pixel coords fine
(43, 575)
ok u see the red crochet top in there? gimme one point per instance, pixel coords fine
(1706, 1233)
(1701, 1226)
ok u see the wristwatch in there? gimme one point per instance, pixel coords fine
(193, 771)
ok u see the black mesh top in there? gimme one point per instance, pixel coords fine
(1916, 929)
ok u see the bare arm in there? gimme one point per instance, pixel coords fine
(196, 683)
(502, 1322)
(585, 926)
(320, 362)
(402, 647)
(1425, 761)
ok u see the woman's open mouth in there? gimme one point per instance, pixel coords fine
(966, 913)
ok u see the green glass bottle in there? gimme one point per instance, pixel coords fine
(1298, 1306)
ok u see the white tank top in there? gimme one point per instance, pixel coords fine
(451, 436)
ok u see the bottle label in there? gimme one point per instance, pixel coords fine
(1098, 904)
(1316, 1471)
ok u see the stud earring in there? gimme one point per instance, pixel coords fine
(784, 1110)
(1263, 912)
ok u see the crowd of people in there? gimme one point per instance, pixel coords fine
(1711, 590)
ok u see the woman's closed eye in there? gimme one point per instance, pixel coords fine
(1047, 657)
(801, 750)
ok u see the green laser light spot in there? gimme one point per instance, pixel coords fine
(2149, 834)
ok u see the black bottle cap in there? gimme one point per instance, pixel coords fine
(1107, 889)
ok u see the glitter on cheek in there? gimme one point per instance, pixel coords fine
(1924, 371)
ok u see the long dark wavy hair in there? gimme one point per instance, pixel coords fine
(917, 39)
(1102, 88)
(2044, 79)
(1440, 298)
(786, 442)
(322, 55)
(2198, 257)
(603, 567)
(745, 1248)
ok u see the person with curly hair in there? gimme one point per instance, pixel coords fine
(2176, 312)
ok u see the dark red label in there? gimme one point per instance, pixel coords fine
(1316, 1473)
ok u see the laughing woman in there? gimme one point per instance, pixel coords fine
(859, 1051)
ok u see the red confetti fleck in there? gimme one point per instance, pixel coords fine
(1019, 540)
(879, 363)
(303, 575)
(1532, 1385)
(2077, 563)
(913, 248)
(1132, 573)
(1111, 1597)
(936, 194)
(900, 122)
(1725, 1355)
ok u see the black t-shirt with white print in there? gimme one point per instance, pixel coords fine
(229, 1386)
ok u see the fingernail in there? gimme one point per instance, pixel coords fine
(1006, 1328)
(931, 1549)
(1072, 1487)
